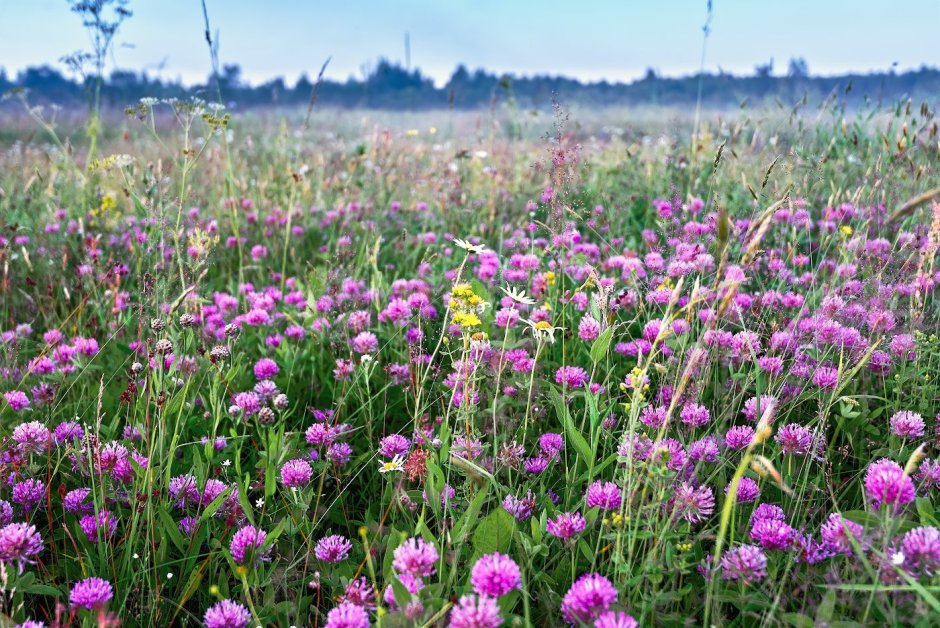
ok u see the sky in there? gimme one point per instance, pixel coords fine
(616, 40)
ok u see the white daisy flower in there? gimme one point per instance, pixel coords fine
(470, 248)
(395, 464)
(517, 295)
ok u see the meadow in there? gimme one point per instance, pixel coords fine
(601, 368)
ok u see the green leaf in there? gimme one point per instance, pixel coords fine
(798, 619)
(433, 486)
(926, 512)
(214, 505)
(402, 595)
(826, 607)
(470, 518)
(509, 601)
(270, 475)
(577, 440)
(271, 537)
(586, 550)
(537, 526)
(395, 539)
(243, 500)
(195, 578)
(42, 589)
(171, 530)
(493, 534)
(601, 345)
(863, 517)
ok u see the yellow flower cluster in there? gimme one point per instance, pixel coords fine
(617, 520)
(467, 319)
(106, 206)
(466, 305)
(635, 377)
(108, 203)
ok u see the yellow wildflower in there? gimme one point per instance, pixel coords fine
(467, 319)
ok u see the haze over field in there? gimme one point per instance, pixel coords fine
(419, 55)
(469, 348)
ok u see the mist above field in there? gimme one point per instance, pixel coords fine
(390, 85)
(422, 56)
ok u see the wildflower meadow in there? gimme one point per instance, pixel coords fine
(469, 369)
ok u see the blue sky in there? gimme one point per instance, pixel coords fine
(587, 39)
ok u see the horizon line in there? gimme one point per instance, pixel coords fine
(254, 82)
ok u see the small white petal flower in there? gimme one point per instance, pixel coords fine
(542, 330)
(395, 464)
(518, 296)
(467, 246)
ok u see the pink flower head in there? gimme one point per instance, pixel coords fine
(693, 503)
(296, 473)
(603, 495)
(571, 376)
(347, 615)
(265, 368)
(332, 549)
(495, 575)
(227, 614)
(589, 596)
(91, 593)
(17, 400)
(249, 540)
(837, 534)
(746, 563)
(615, 619)
(886, 483)
(416, 557)
(475, 611)
(566, 525)
(19, 543)
(907, 424)
(32, 437)
(921, 549)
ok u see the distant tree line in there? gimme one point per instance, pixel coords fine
(391, 86)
